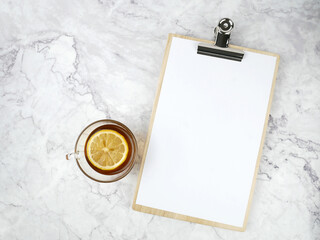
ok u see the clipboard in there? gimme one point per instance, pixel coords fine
(161, 187)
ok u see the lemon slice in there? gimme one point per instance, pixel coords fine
(107, 149)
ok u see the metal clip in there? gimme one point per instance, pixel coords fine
(221, 47)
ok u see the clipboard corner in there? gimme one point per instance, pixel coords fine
(134, 206)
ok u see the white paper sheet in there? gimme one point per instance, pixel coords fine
(206, 134)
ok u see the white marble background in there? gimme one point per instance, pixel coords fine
(66, 63)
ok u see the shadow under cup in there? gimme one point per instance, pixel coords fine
(91, 171)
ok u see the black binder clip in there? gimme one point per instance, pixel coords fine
(220, 48)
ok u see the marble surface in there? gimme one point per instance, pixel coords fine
(65, 64)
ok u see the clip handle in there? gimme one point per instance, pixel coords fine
(223, 32)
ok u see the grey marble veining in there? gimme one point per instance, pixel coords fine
(65, 64)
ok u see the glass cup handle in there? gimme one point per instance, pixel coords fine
(74, 155)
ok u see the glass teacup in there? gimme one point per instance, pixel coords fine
(80, 151)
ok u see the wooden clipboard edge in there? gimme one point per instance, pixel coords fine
(232, 46)
(178, 216)
(164, 213)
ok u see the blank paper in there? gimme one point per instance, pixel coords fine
(206, 134)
